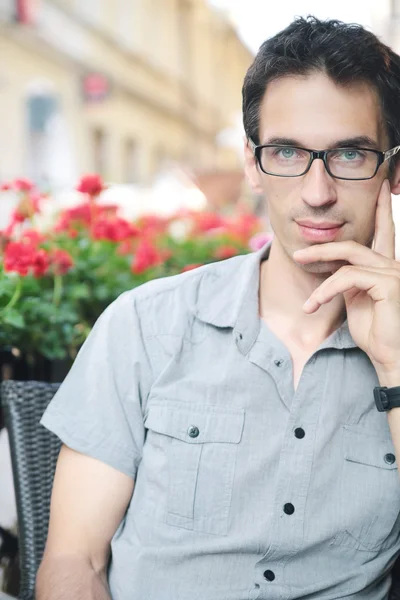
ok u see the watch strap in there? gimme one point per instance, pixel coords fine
(387, 398)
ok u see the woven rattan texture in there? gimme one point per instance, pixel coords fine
(34, 452)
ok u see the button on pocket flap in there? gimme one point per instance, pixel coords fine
(196, 424)
(368, 449)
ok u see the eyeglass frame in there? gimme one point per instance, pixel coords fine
(322, 154)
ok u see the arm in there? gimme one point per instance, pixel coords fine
(89, 501)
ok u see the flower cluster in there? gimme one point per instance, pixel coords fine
(55, 284)
(29, 203)
(26, 257)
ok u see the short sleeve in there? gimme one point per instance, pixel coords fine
(98, 408)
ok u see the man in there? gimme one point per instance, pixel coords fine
(221, 440)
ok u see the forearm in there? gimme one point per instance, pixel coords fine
(63, 578)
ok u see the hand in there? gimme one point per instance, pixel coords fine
(370, 285)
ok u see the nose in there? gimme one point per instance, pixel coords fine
(318, 186)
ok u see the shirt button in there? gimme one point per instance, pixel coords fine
(288, 508)
(269, 575)
(390, 458)
(299, 432)
(193, 431)
(278, 362)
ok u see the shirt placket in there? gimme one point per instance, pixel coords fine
(295, 461)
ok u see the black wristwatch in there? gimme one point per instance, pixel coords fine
(387, 398)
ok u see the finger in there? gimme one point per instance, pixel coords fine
(384, 240)
(350, 251)
(393, 272)
(377, 284)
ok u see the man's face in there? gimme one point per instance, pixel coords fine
(317, 113)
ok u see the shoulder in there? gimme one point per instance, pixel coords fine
(161, 302)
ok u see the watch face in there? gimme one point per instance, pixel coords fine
(381, 399)
(384, 400)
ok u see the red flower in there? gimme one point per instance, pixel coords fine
(125, 247)
(147, 256)
(5, 187)
(61, 261)
(243, 227)
(207, 221)
(115, 230)
(23, 185)
(191, 267)
(30, 236)
(25, 258)
(151, 225)
(28, 206)
(91, 184)
(83, 213)
(16, 218)
(41, 263)
(225, 252)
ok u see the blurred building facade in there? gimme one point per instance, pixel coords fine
(387, 23)
(119, 87)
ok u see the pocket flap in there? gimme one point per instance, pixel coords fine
(196, 424)
(366, 448)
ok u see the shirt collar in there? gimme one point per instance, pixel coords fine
(229, 297)
(222, 295)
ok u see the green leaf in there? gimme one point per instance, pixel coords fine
(14, 318)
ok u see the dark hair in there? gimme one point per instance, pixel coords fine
(347, 53)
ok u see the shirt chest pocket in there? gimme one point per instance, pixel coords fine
(369, 503)
(199, 445)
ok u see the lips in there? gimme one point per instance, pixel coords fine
(323, 231)
(320, 224)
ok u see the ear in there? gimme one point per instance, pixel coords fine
(251, 169)
(395, 179)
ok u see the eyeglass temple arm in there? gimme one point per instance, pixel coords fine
(253, 146)
(389, 153)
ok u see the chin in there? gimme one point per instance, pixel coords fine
(323, 268)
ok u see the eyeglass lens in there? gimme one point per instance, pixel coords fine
(348, 163)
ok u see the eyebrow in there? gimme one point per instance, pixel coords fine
(360, 141)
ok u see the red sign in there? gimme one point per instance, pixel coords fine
(96, 87)
(27, 11)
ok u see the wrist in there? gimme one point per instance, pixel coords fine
(389, 375)
(389, 380)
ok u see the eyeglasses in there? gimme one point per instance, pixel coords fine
(353, 164)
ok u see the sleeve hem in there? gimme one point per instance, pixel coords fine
(122, 459)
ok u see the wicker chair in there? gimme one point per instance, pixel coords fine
(34, 452)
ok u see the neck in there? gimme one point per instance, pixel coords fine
(284, 287)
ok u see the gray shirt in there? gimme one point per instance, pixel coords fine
(245, 489)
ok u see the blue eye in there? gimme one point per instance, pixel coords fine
(287, 152)
(350, 154)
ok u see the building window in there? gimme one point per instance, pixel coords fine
(130, 161)
(99, 151)
(160, 161)
(41, 109)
